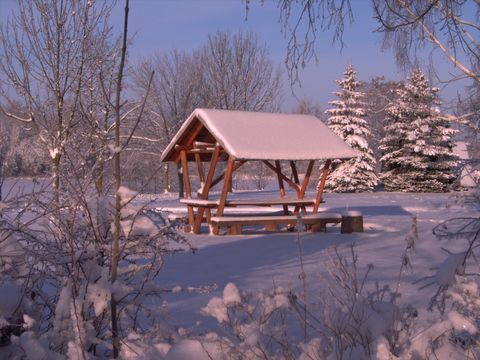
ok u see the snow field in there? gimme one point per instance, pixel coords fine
(261, 261)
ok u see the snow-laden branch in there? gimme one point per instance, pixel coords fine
(13, 116)
(124, 116)
(136, 137)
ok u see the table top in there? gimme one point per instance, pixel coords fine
(249, 202)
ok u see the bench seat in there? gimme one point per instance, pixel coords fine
(234, 223)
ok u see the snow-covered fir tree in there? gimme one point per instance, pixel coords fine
(347, 121)
(418, 141)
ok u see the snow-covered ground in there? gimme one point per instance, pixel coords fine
(260, 261)
(263, 261)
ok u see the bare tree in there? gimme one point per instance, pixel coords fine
(308, 107)
(49, 48)
(237, 74)
(449, 26)
(229, 72)
(301, 22)
(172, 98)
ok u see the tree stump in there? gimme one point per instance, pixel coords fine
(352, 221)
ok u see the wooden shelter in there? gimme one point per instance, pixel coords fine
(237, 137)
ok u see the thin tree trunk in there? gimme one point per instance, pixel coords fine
(56, 178)
(118, 183)
(181, 192)
(166, 180)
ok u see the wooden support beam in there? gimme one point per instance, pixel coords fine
(306, 180)
(190, 139)
(281, 188)
(235, 168)
(182, 147)
(186, 184)
(286, 179)
(226, 185)
(202, 144)
(201, 175)
(206, 189)
(201, 151)
(293, 166)
(321, 186)
(303, 189)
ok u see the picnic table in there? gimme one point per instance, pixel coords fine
(234, 222)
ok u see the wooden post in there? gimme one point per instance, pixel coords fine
(206, 189)
(186, 183)
(321, 186)
(226, 185)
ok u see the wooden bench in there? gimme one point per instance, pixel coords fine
(234, 224)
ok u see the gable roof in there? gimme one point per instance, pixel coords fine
(261, 136)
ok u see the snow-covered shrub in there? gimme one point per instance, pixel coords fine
(253, 326)
(61, 272)
(345, 321)
(456, 333)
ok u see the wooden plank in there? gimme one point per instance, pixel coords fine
(186, 184)
(202, 144)
(206, 189)
(235, 168)
(276, 220)
(270, 202)
(200, 202)
(247, 202)
(234, 224)
(286, 179)
(201, 151)
(318, 200)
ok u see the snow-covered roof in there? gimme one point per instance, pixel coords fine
(261, 136)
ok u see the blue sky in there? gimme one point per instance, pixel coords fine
(161, 25)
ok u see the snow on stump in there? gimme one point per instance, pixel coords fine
(352, 221)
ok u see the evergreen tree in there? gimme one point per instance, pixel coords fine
(418, 141)
(347, 121)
